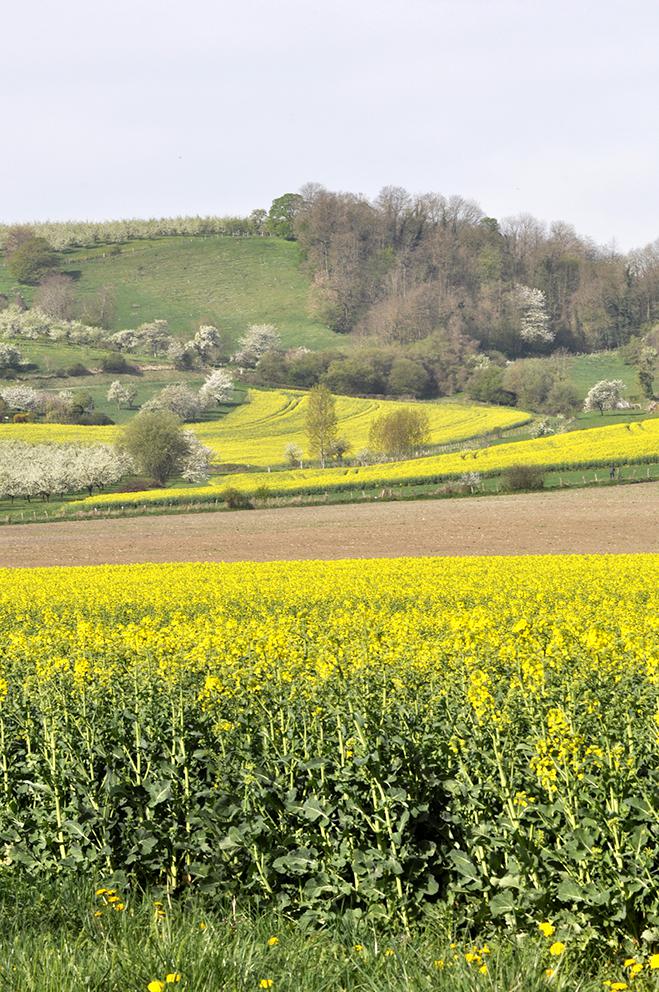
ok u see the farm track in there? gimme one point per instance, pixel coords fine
(621, 519)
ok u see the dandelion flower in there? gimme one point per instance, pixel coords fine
(653, 963)
(266, 983)
(557, 948)
(273, 941)
(172, 978)
(547, 929)
(156, 986)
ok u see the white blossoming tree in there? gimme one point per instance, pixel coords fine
(257, 339)
(179, 399)
(294, 455)
(23, 398)
(218, 388)
(208, 342)
(10, 356)
(122, 394)
(196, 463)
(534, 319)
(605, 395)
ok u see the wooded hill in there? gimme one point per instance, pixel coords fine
(423, 279)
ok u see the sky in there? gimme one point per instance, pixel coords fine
(139, 108)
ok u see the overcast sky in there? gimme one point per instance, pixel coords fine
(115, 108)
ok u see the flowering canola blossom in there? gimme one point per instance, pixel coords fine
(332, 733)
(620, 444)
(257, 431)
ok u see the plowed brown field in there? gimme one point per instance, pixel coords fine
(616, 519)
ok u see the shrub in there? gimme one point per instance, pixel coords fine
(156, 443)
(522, 478)
(95, 419)
(118, 364)
(487, 386)
(77, 369)
(400, 432)
(33, 260)
(237, 500)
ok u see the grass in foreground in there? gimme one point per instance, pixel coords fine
(66, 940)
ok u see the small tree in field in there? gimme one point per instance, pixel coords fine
(340, 449)
(218, 388)
(321, 423)
(604, 395)
(208, 342)
(257, 339)
(122, 395)
(10, 357)
(400, 432)
(177, 398)
(33, 260)
(293, 453)
(196, 464)
(56, 296)
(646, 365)
(156, 443)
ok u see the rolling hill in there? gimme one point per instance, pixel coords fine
(256, 432)
(229, 282)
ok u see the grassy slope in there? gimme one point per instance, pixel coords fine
(585, 370)
(147, 384)
(230, 282)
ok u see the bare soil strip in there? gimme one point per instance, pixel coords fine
(617, 519)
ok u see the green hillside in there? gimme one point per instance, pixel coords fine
(229, 282)
(586, 370)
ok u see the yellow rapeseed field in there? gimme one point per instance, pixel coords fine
(357, 733)
(627, 443)
(257, 432)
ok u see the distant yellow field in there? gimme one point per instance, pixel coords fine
(257, 432)
(57, 434)
(619, 444)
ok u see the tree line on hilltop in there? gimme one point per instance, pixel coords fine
(437, 296)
